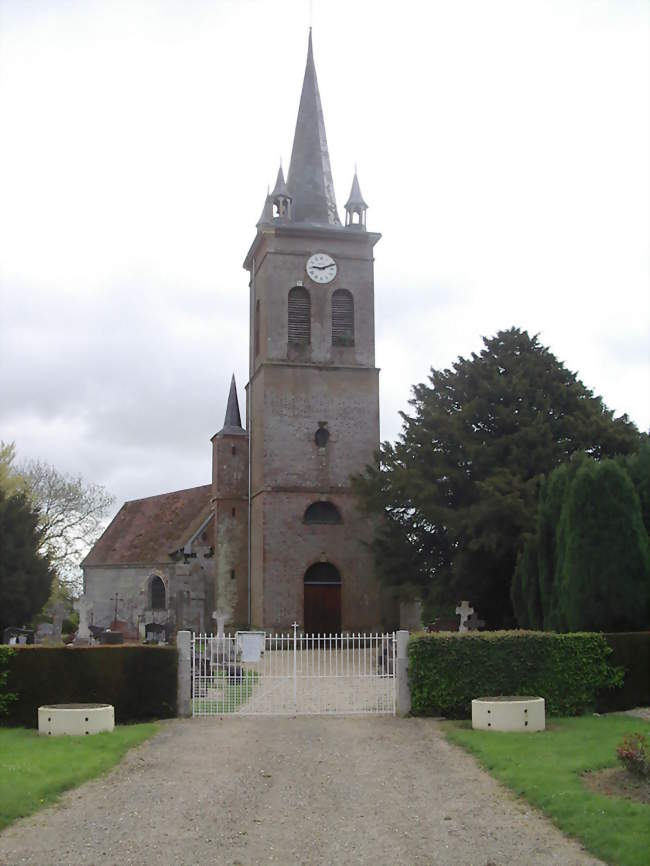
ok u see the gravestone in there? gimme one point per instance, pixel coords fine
(410, 615)
(111, 637)
(154, 631)
(44, 631)
(464, 609)
(251, 645)
(15, 636)
(474, 623)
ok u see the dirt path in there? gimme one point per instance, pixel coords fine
(246, 791)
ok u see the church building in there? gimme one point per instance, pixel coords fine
(277, 536)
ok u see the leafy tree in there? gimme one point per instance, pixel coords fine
(71, 517)
(10, 481)
(603, 560)
(458, 490)
(25, 572)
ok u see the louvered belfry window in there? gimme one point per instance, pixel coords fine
(299, 316)
(342, 318)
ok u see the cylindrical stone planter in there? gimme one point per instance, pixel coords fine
(75, 719)
(509, 713)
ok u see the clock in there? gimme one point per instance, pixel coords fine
(321, 268)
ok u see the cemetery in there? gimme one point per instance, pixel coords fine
(480, 583)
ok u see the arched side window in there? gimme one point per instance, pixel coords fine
(257, 328)
(158, 594)
(342, 318)
(322, 512)
(299, 316)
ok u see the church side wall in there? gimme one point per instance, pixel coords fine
(188, 594)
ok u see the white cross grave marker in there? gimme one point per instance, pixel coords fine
(464, 609)
(220, 618)
(83, 605)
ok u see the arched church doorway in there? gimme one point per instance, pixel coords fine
(322, 599)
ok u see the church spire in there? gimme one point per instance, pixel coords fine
(310, 176)
(233, 418)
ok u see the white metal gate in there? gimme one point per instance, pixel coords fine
(253, 673)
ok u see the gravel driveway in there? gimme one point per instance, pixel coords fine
(381, 791)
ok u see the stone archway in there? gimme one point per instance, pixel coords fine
(322, 605)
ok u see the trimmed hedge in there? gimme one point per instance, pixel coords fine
(631, 651)
(140, 681)
(448, 670)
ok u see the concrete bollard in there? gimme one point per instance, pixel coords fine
(403, 688)
(184, 647)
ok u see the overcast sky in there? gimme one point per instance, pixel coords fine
(502, 148)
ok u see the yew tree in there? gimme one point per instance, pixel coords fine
(458, 490)
(25, 572)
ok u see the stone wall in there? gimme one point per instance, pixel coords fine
(189, 593)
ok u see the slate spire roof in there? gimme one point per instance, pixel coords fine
(310, 175)
(355, 199)
(232, 421)
(280, 185)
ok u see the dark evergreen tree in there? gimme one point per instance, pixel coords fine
(638, 468)
(25, 574)
(458, 490)
(603, 559)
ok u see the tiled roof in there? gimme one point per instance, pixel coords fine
(148, 530)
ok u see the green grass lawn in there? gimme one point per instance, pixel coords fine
(546, 769)
(233, 692)
(35, 770)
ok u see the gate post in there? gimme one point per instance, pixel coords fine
(403, 690)
(184, 647)
(295, 649)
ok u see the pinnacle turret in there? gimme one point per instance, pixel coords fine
(355, 206)
(232, 420)
(281, 197)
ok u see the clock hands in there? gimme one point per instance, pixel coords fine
(322, 267)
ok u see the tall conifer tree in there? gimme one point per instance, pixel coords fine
(458, 490)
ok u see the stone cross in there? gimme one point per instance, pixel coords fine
(220, 617)
(83, 606)
(464, 609)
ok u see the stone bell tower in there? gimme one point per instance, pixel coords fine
(312, 393)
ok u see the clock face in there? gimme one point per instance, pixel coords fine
(321, 268)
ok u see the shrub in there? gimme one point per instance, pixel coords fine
(634, 753)
(139, 681)
(448, 670)
(6, 697)
(631, 652)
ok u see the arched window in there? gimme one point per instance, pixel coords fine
(299, 316)
(322, 512)
(257, 328)
(342, 318)
(158, 601)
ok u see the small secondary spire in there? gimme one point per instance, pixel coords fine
(233, 418)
